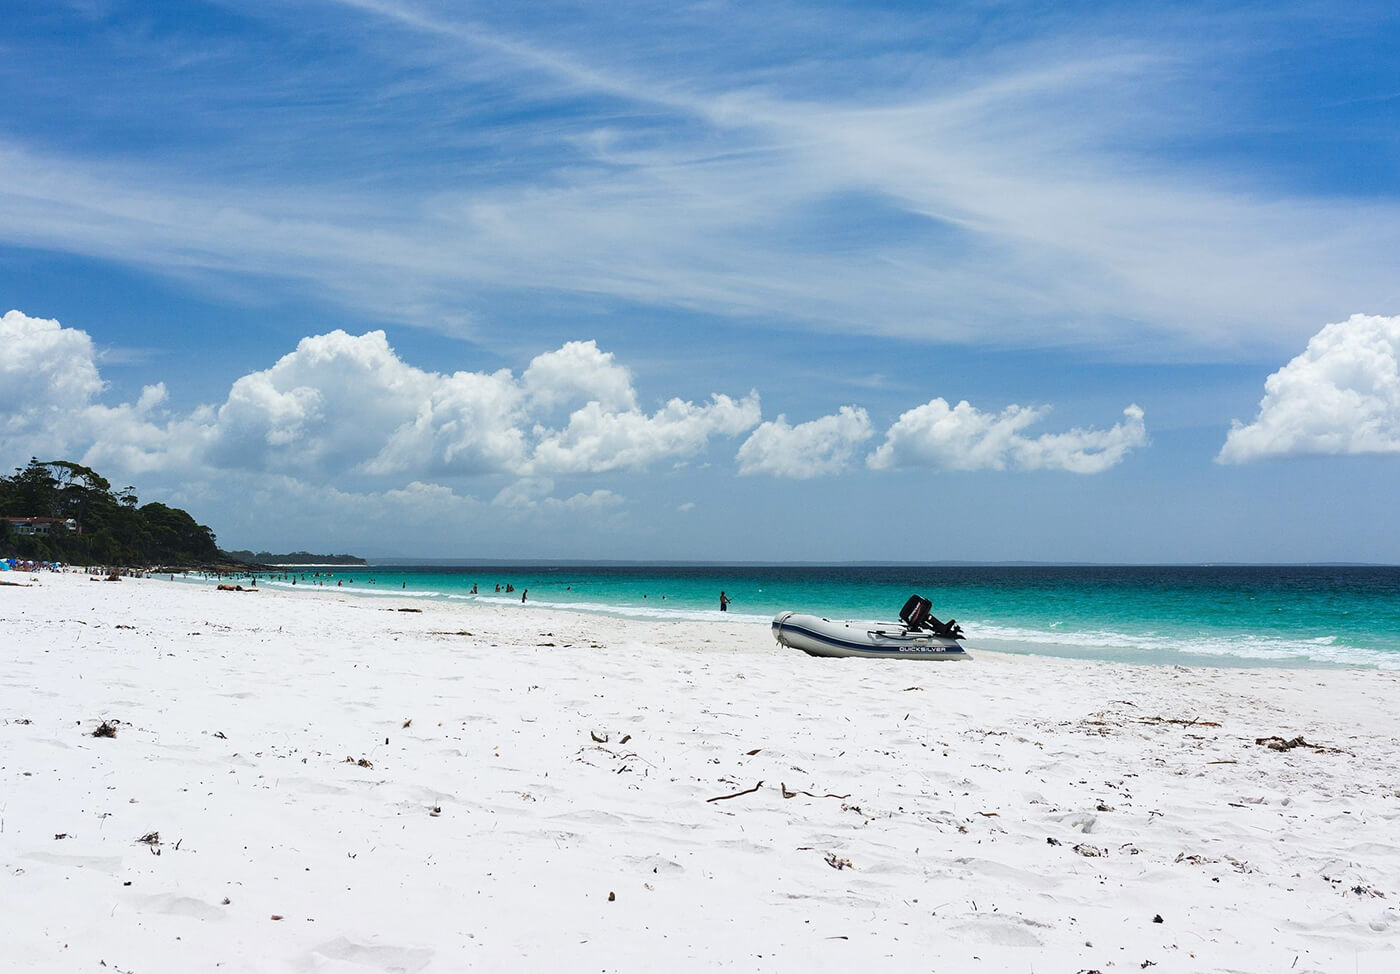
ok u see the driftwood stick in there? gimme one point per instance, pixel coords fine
(794, 794)
(1193, 722)
(747, 791)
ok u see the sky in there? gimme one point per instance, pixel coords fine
(984, 281)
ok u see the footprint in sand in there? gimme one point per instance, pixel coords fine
(1000, 929)
(407, 960)
(106, 864)
(312, 786)
(181, 906)
(654, 864)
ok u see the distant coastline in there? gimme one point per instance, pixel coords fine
(298, 559)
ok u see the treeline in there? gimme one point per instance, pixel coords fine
(293, 558)
(86, 522)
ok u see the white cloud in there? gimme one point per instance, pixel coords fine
(531, 493)
(1035, 160)
(344, 405)
(811, 449)
(524, 493)
(1084, 451)
(1341, 395)
(46, 372)
(333, 404)
(598, 440)
(963, 437)
(594, 501)
(578, 371)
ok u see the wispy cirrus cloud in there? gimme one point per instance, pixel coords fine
(1022, 190)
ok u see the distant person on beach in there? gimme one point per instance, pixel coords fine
(523, 594)
(724, 601)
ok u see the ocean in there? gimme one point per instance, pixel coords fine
(1190, 615)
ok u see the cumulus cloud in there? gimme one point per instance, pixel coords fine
(1341, 395)
(524, 493)
(811, 449)
(597, 439)
(593, 501)
(341, 404)
(46, 371)
(578, 371)
(963, 437)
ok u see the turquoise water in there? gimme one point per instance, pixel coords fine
(1298, 616)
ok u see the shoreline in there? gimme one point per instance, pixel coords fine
(1126, 646)
(340, 784)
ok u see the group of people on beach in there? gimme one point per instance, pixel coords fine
(320, 578)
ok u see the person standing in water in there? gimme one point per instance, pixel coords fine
(724, 601)
(523, 594)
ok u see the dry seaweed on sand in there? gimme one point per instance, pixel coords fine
(106, 729)
(1277, 743)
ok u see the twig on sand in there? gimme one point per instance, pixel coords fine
(1194, 722)
(747, 791)
(794, 794)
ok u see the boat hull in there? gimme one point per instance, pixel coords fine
(872, 640)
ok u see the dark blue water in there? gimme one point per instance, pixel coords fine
(1194, 614)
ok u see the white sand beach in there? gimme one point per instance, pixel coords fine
(310, 781)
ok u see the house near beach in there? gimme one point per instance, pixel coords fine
(42, 526)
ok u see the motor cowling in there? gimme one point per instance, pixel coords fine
(915, 612)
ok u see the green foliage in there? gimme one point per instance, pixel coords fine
(111, 528)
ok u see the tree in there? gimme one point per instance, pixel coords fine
(112, 528)
(78, 488)
(31, 492)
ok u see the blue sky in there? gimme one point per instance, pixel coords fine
(989, 281)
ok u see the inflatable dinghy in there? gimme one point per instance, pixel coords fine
(918, 635)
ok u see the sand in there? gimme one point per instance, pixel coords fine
(311, 781)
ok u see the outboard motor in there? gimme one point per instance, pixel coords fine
(915, 612)
(918, 614)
